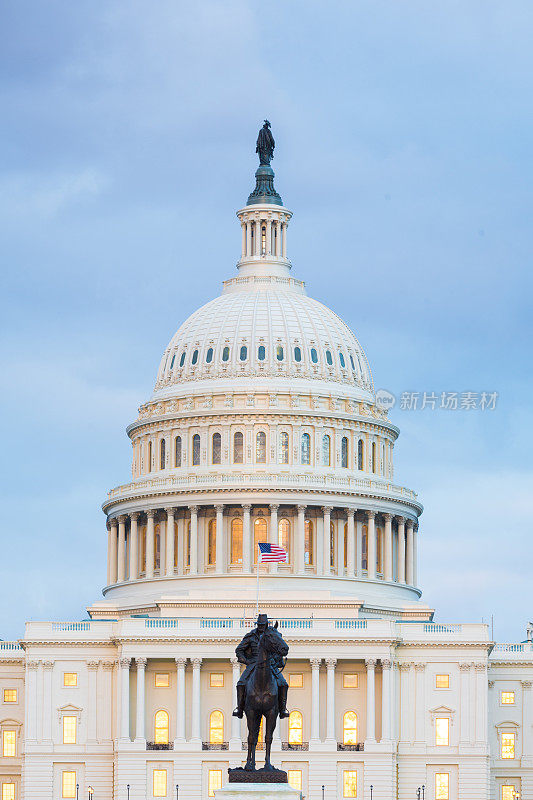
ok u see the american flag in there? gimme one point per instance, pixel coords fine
(271, 552)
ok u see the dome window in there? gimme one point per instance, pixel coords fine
(341, 359)
(260, 448)
(261, 352)
(209, 356)
(263, 240)
(173, 359)
(217, 448)
(177, 451)
(326, 448)
(344, 452)
(279, 352)
(306, 449)
(238, 448)
(244, 353)
(297, 354)
(314, 356)
(182, 359)
(329, 358)
(360, 454)
(196, 450)
(195, 357)
(352, 362)
(284, 448)
(162, 454)
(225, 354)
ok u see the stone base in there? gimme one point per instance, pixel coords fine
(240, 775)
(257, 791)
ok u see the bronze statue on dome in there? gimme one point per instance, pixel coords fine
(265, 144)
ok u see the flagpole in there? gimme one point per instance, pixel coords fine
(257, 596)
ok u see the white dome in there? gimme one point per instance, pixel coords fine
(264, 327)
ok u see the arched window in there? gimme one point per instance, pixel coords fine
(344, 452)
(211, 543)
(349, 728)
(162, 454)
(284, 533)
(309, 543)
(225, 354)
(172, 361)
(314, 356)
(329, 358)
(360, 454)
(332, 544)
(341, 359)
(260, 447)
(260, 534)
(157, 547)
(364, 546)
(297, 354)
(279, 352)
(352, 362)
(306, 448)
(143, 549)
(216, 727)
(217, 448)
(236, 541)
(195, 357)
(209, 355)
(161, 725)
(182, 359)
(379, 550)
(196, 449)
(263, 239)
(284, 447)
(177, 451)
(296, 728)
(373, 465)
(187, 545)
(238, 448)
(261, 352)
(243, 354)
(326, 450)
(149, 456)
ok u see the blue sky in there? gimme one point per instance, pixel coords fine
(404, 147)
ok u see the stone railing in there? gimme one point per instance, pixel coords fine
(10, 647)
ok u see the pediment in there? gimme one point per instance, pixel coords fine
(442, 710)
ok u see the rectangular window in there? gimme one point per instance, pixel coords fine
(296, 680)
(214, 781)
(159, 781)
(294, 779)
(442, 731)
(507, 698)
(70, 679)
(442, 681)
(9, 744)
(8, 791)
(216, 680)
(508, 743)
(162, 680)
(69, 730)
(442, 786)
(509, 793)
(350, 680)
(349, 783)
(10, 696)
(68, 784)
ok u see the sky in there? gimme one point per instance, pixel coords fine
(403, 147)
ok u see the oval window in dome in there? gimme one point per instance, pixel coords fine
(209, 356)
(279, 352)
(182, 359)
(314, 356)
(244, 353)
(173, 359)
(297, 354)
(352, 362)
(261, 352)
(195, 357)
(329, 358)
(341, 359)
(225, 354)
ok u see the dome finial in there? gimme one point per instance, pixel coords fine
(264, 191)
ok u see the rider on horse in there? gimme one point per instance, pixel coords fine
(246, 653)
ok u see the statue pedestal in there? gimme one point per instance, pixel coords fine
(257, 791)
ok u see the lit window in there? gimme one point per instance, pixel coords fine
(344, 452)
(182, 359)
(68, 784)
(162, 680)
(217, 448)
(225, 354)
(8, 791)
(260, 447)
(211, 542)
(350, 680)
(309, 543)
(284, 530)
(294, 779)
(69, 730)
(10, 695)
(326, 446)
(306, 448)
(508, 745)
(297, 354)
(260, 535)
(509, 792)
(172, 361)
(162, 454)
(360, 454)
(70, 679)
(161, 727)
(349, 728)
(216, 680)
(159, 782)
(442, 731)
(295, 728)
(238, 448)
(349, 783)
(314, 355)
(296, 680)
(236, 541)
(209, 355)
(195, 357)
(243, 354)
(196, 450)
(214, 781)
(507, 698)
(177, 451)
(329, 358)
(261, 352)
(216, 727)
(279, 352)
(341, 359)
(263, 240)
(9, 744)
(442, 786)
(442, 681)
(284, 448)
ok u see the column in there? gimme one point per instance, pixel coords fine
(386, 699)
(112, 551)
(48, 667)
(464, 731)
(134, 546)
(527, 749)
(243, 244)
(169, 537)
(420, 711)
(235, 742)
(106, 700)
(125, 699)
(388, 548)
(406, 702)
(300, 550)
(370, 699)
(121, 566)
(330, 701)
(315, 699)
(257, 237)
(31, 701)
(219, 555)
(273, 522)
(92, 702)
(401, 550)
(351, 542)
(150, 543)
(269, 238)
(359, 547)
(180, 699)
(283, 231)
(139, 723)
(248, 239)
(371, 544)
(246, 539)
(481, 706)
(196, 734)
(193, 569)
(326, 547)
(415, 555)
(409, 553)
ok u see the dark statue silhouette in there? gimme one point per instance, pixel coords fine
(265, 144)
(262, 689)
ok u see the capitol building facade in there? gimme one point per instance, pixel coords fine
(263, 427)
